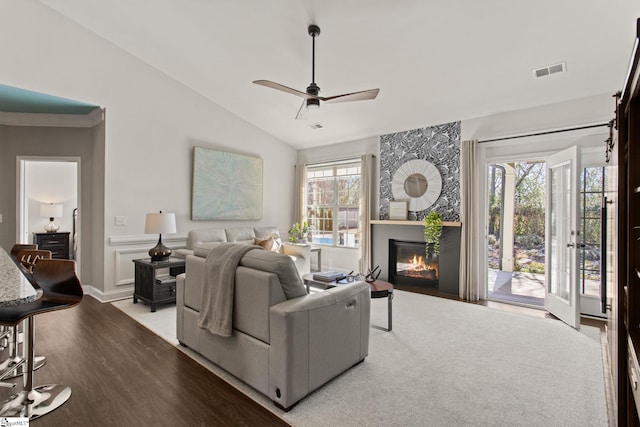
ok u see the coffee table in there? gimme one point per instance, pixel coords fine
(379, 289)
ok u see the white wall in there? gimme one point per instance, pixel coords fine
(590, 110)
(152, 122)
(343, 259)
(595, 109)
(50, 182)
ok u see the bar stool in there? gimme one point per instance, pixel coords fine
(11, 367)
(27, 259)
(19, 247)
(61, 289)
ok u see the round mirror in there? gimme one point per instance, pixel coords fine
(415, 185)
(418, 182)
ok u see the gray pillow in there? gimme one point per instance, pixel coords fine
(280, 264)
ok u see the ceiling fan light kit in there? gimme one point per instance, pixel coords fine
(312, 96)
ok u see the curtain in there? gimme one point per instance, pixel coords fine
(469, 254)
(300, 180)
(367, 169)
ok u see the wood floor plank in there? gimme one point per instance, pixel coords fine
(120, 373)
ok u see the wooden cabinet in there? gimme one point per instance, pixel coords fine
(625, 315)
(154, 287)
(57, 243)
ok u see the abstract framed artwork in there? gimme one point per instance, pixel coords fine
(226, 186)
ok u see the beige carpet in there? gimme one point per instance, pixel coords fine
(448, 363)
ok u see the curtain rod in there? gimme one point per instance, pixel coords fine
(548, 132)
(338, 161)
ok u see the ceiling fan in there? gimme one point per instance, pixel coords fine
(311, 97)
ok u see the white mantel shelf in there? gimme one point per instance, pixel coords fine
(400, 222)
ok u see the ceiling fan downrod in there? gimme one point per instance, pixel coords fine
(313, 89)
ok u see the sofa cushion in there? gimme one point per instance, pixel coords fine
(196, 238)
(266, 232)
(280, 264)
(269, 244)
(244, 235)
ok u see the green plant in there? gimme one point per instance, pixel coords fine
(298, 232)
(432, 231)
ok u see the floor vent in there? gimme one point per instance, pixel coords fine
(550, 69)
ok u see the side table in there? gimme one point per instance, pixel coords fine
(152, 289)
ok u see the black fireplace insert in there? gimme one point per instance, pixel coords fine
(410, 264)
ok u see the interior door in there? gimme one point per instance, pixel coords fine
(562, 296)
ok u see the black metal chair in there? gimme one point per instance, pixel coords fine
(61, 289)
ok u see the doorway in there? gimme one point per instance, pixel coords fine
(44, 182)
(516, 233)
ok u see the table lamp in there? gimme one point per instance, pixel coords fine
(158, 223)
(51, 211)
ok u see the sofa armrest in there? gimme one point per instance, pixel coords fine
(300, 252)
(315, 338)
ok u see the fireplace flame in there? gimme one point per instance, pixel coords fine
(418, 268)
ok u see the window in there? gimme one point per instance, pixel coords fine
(591, 194)
(333, 203)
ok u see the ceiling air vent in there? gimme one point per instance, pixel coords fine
(550, 69)
(316, 126)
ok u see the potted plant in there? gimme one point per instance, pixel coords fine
(298, 233)
(432, 232)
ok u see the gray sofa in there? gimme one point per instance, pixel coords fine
(284, 348)
(200, 242)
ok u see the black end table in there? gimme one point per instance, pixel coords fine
(154, 289)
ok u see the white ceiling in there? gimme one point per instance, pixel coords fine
(434, 61)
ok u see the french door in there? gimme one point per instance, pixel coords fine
(562, 294)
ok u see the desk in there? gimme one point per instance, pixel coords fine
(15, 289)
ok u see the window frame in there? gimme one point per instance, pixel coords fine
(335, 207)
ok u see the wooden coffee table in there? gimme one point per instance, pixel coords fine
(379, 289)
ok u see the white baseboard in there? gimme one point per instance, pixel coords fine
(108, 296)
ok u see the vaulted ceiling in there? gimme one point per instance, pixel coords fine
(434, 61)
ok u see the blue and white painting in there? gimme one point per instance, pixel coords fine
(226, 186)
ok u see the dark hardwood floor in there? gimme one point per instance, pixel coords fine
(121, 374)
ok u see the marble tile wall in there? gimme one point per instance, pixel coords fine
(439, 145)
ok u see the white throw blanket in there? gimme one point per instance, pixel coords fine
(216, 314)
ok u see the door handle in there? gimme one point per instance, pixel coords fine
(571, 245)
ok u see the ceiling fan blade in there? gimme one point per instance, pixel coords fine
(355, 96)
(302, 111)
(283, 88)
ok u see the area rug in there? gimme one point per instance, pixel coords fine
(447, 363)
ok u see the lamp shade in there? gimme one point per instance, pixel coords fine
(50, 210)
(160, 223)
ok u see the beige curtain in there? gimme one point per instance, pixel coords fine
(469, 253)
(300, 179)
(367, 169)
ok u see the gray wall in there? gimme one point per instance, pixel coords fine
(449, 258)
(54, 141)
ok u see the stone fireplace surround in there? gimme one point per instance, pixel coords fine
(449, 258)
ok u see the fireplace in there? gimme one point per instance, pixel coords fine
(410, 265)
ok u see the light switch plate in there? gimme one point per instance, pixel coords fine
(121, 220)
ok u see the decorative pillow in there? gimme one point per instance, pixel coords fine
(269, 244)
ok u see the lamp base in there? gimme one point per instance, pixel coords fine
(159, 252)
(52, 227)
